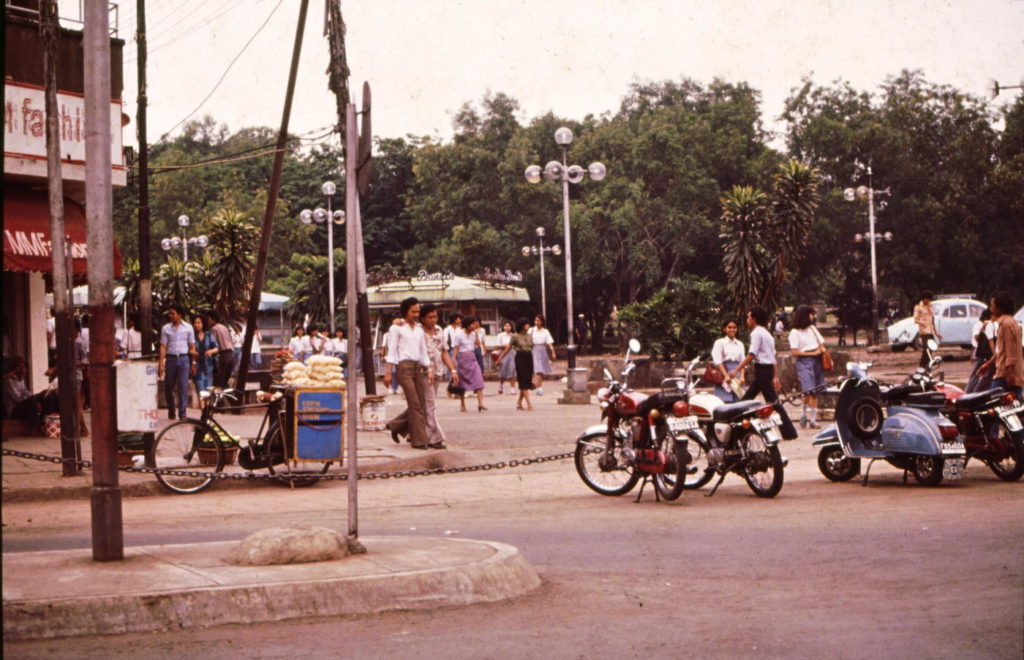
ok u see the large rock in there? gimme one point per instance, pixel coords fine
(289, 545)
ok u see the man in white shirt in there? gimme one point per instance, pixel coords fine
(407, 350)
(766, 380)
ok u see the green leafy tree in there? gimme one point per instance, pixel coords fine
(678, 321)
(232, 239)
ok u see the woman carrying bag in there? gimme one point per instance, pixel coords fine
(808, 347)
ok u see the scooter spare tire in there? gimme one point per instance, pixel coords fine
(864, 417)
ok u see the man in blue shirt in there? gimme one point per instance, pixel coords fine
(762, 354)
(177, 360)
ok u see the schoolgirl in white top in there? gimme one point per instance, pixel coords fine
(543, 347)
(726, 354)
(807, 345)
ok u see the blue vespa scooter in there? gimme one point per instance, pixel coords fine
(911, 435)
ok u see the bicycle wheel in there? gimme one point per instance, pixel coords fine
(188, 445)
(274, 450)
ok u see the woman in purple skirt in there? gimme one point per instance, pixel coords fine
(470, 377)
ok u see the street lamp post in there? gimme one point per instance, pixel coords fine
(872, 237)
(995, 88)
(540, 249)
(175, 242)
(555, 171)
(320, 216)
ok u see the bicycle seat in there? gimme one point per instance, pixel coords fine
(730, 411)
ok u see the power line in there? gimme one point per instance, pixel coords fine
(158, 40)
(224, 75)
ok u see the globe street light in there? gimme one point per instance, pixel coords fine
(853, 194)
(320, 216)
(175, 242)
(995, 88)
(555, 171)
(540, 249)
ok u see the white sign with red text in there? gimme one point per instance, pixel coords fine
(25, 132)
(137, 396)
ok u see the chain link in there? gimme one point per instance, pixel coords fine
(286, 476)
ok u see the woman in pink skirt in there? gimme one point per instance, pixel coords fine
(470, 377)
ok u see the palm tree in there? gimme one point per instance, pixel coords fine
(764, 239)
(229, 278)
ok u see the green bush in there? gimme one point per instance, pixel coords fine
(679, 321)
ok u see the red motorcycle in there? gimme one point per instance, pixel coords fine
(642, 437)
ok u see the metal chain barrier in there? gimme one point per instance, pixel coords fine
(203, 474)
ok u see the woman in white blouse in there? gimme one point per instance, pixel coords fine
(507, 368)
(807, 346)
(543, 346)
(726, 354)
(299, 344)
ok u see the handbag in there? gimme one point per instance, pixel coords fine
(713, 375)
(826, 357)
(456, 390)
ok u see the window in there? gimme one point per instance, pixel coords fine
(955, 312)
(974, 311)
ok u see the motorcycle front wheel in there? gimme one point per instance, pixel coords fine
(837, 466)
(762, 468)
(602, 467)
(1011, 466)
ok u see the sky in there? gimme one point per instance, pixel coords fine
(425, 58)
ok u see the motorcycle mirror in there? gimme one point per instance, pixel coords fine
(607, 374)
(634, 345)
(933, 345)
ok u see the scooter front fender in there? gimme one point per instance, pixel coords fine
(827, 436)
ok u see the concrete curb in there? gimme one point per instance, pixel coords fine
(196, 589)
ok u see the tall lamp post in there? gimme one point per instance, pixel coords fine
(183, 241)
(540, 249)
(555, 171)
(320, 216)
(872, 237)
(995, 87)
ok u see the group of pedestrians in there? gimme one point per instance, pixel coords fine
(202, 352)
(998, 358)
(305, 343)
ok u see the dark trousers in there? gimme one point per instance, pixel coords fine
(412, 378)
(176, 380)
(1001, 382)
(225, 365)
(924, 350)
(764, 375)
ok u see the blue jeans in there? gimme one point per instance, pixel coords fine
(176, 379)
(1001, 382)
(204, 380)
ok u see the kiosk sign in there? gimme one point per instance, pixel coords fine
(319, 417)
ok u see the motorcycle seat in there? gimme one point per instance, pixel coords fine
(730, 411)
(662, 401)
(900, 392)
(926, 399)
(976, 399)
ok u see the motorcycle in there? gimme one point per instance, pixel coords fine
(739, 437)
(911, 435)
(989, 422)
(642, 437)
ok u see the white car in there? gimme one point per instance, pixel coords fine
(954, 319)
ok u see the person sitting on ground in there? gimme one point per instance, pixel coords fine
(18, 401)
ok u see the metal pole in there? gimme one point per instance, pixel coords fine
(145, 267)
(874, 271)
(543, 288)
(68, 391)
(268, 216)
(107, 532)
(330, 260)
(184, 242)
(351, 236)
(571, 340)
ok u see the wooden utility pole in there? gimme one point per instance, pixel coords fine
(107, 531)
(145, 264)
(67, 392)
(268, 216)
(338, 73)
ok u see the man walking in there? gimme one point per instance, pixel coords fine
(177, 360)
(407, 350)
(766, 380)
(225, 350)
(925, 320)
(1009, 355)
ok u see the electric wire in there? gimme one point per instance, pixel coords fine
(226, 71)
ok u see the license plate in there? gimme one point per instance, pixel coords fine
(1012, 417)
(769, 423)
(679, 424)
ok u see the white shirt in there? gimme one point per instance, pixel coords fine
(236, 336)
(727, 349)
(990, 332)
(449, 336)
(299, 345)
(407, 343)
(541, 336)
(465, 342)
(51, 331)
(316, 344)
(504, 338)
(806, 340)
(762, 346)
(257, 346)
(130, 342)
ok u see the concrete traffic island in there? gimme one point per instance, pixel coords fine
(64, 593)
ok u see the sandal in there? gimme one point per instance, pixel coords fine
(480, 409)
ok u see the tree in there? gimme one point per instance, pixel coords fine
(230, 275)
(680, 320)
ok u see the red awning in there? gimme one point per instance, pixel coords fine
(27, 232)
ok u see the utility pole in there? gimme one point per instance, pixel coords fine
(107, 531)
(145, 264)
(268, 217)
(67, 392)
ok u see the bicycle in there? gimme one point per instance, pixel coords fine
(196, 446)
